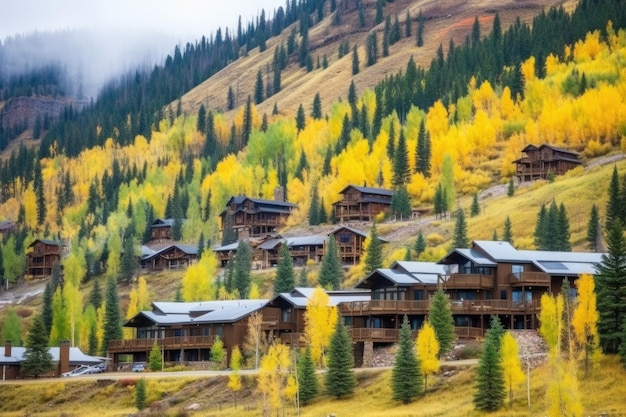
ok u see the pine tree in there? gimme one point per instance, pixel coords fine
(46, 309)
(323, 217)
(308, 386)
(490, 392)
(371, 49)
(314, 209)
(300, 118)
(201, 122)
(37, 358)
(510, 191)
(140, 393)
(401, 169)
(355, 61)
(285, 276)
(340, 378)
(407, 25)
(316, 112)
(460, 231)
(374, 254)
(440, 317)
(242, 268)
(230, 99)
(507, 235)
(420, 243)
(246, 129)
(258, 88)
(420, 29)
(229, 235)
(331, 273)
(155, 359)
(611, 289)
(401, 203)
(563, 230)
(112, 319)
(593, 229)
(475, 207)
(614, 204)
(406, 375)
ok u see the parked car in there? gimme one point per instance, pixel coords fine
(98, 369)
(139, 367)
(81, 370)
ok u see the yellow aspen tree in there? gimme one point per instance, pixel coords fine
(254, 344)
(234, 378)
(273, 377)
(511, 365)
(427, 347)
(585, 320)
(143, 294)
(72, 300)
(551, 318)
(197, 283)
(562, 395)
(320, 319)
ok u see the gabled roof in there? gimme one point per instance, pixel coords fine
(355, 231)
(46, 242)
(406, 274)
(368, 190)
(239, 199)
(170, 313)
(299, 296)
(469, 254)
(163, 223)
(500, 251)
(226, 248)
(293, 241)
(76, 356)
(147, 253)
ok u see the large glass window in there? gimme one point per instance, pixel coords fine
(517, 270)
(418, 295)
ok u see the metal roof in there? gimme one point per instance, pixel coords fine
(299, 296)
(226, 248)
(501, 251)
(419, 267)
(368, 190)
(76, 355)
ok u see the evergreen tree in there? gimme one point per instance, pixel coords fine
(200, 245)
(460, 231)
(285, 280)
(129, 262)
(593, 229)
(39, 194)
(300, 118)
(475, 207)
(420, 29)
(401, 203)
(46, 309)
(314, 210)
(406, 376)
(229, 234)
(242, 268)
(511, 188)
(540, 237)
(490, 387)
(331, 272)
(201, 122)
(323, 217)
(379, 11)
(407, 24)
(140, 393)
(440, 317)
(391, 142)
(327, 159)
(374, 254)
(247, 123)
(230, 99)
(355, 61)
(611, 290)
(563, 230)
(401, 168)
(371, 49)
(206, 212)
(155, 359)
(277, 80)
(422, 151)
(507, 235)
(308, 386)
(316, 112)
(386, 35)
(37, 358)
(258, 88)
(494, 237)
(95, 296)
(614, 204)
(420, 243)
(112, 319)
(340, 378)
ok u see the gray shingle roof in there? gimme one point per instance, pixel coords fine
(76, 355)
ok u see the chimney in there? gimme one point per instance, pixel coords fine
(64, 356)
(279, 193)
(7, 348)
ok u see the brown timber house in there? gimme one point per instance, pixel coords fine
(361, 204)
(540, 162)
(253, 217)
(41, 257)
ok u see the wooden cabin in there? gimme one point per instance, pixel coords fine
(361, 204)
(540, 162)
(161, 229)
(350, 244)
(41, 256)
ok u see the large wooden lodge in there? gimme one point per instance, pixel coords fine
(490, 278)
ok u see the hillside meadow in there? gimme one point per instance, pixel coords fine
(602, 391)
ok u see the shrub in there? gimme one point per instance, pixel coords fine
(127, 382)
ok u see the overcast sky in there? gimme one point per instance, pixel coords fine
(187, 19)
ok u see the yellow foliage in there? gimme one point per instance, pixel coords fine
(320, 319)
(551, 319)
(562, 394)
(585, 319)
(273, 377)
(510, 362)
(434, 239)
(197, 283)
(528, 70)
(234, 379)
(427, 347)
(588, 49)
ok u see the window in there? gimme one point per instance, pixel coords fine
(347, 321)
(344, 238)
(418, 295)
(517, 270)
(503, 294)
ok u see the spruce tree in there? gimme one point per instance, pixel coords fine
(258, 88)
(308, 386)
(155, 359)
(374, 255)
(593, 229)
(300, 118)
(323, 217)
(420, 243)
(563, 230)
(507, 235)
(140, 394)
(475, 207)
(340, 378)
(614, 203)
(314, 209)
(242, 268)
(201, 122)
(355, 61)
(37, 358)
(406, 376)
(541, 228)
(331, 273)
(246, 129)
(440, 317)
(611, 289)
(200, 246)
(401, 169)
(316, 112)
(113, 316)
(46, 309)
(460, 231)
(285, 276)
(490, 387)
(511, 188)
(401, 203)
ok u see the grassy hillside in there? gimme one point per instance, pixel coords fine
(449, 393)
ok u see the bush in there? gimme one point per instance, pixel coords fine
(127, 382)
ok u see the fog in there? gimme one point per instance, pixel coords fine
(95, 40)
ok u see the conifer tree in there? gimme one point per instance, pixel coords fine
(420, 29)
(611, 290)
(229, 235)
(316, 112)
(340, 378)
(246, 129)
(242, 268)
(112, 320)
(258, 88)
(406, 376)
(614, 203)
(440, 318)
(401, 203)
(155, 360)
(494, 237)
(460, 231)
(39, 194)
(420, 243)
(201, 122)
(540, 228)
(593, 229)
(46, 309)
(314, 210)
(308, 386)
(563, 230)
(507, 235)
(331, 273)
(37, 358)
(490, 391)
(230, 99)
(323, 217)
(140, 393)
(511, 188)
(300, 118)
(371, 49)
(374, 254)
(355, 61)
(285, 276)
(401, 169)
(407, 24)
(475, 207)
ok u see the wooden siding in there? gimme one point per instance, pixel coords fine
(470, 281)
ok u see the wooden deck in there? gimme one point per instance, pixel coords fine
(401, 307)
(181, 342)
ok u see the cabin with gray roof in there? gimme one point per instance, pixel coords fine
(161, 229)
(350, 244)
(361, 204)
(539, 162)
(41, 256)
(170, 257)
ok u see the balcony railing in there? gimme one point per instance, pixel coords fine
(530, 278)
(177, 342)
(470, 281)
(364, 308)
(493, 306)
(356, 308)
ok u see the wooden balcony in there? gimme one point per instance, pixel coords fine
(179, 342)
(493, 307)
(470, 281)
(540, 279)
(373, 335)
(292, 338)
(469, 332)
(364, 308)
